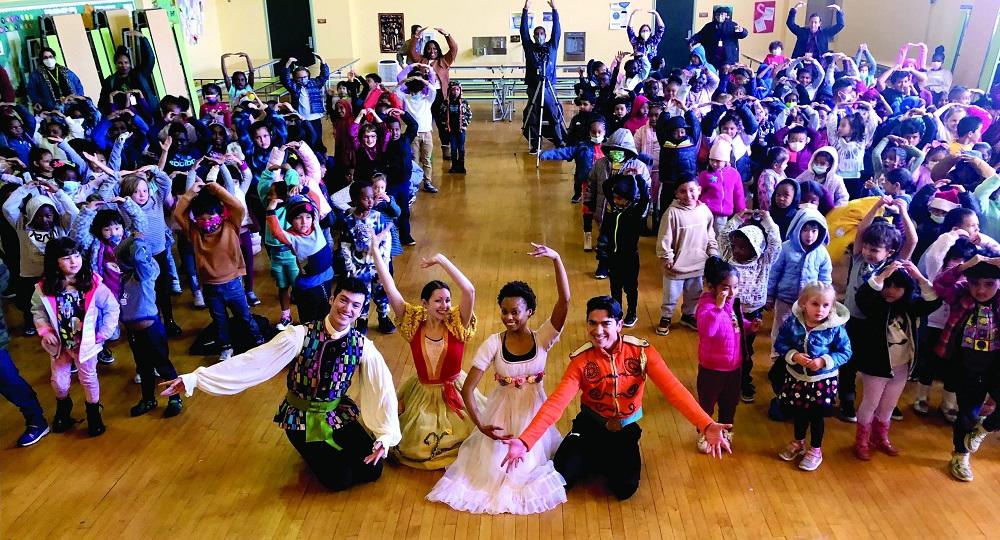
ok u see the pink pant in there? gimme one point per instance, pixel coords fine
(87, 375)
(881, 395)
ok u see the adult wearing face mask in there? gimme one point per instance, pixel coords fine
(131, 77)
(813, 38)
(308, 94)
(51, 83)
(720, 38)
(645, 44)
(540, 53)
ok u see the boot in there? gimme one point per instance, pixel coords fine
(461, 164)
(95, 424)
(446, 152)
(63, 421)
(454, 167)
(880, 438)
(862, 442)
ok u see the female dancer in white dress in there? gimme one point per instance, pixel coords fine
(476, 482)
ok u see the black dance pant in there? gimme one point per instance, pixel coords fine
(589, 448)
(336, 469)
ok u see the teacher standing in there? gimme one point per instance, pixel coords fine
(720, 38)
(441, 64)
(540, 68)
(814, 39)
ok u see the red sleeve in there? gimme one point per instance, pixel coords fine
(675, 392)
(276, 230)
(554, 406)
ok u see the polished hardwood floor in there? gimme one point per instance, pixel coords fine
(223, 470)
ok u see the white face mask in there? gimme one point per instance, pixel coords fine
(597, 140)
(796, 146)
(937, 219)
(49, 63)
(821, 169)
(644, 34)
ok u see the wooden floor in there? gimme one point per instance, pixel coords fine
(223, 469)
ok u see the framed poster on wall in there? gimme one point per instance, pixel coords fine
(390, 32)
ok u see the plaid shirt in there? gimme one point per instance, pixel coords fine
(952, 287)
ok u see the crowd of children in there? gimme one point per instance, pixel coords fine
(748, 179)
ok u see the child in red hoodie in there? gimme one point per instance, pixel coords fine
(721, 328)
(721, 185)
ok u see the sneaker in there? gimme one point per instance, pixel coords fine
(811, 460)
(429, 187)
(173, 407)
(975, 438)
(175, 287)
(173, 330)
(703, 445)
(588, 241)
(576, 199)
(689, 321)
(137, 379)
(921, 407)
(897, 414)
(285, 322)
(847, 412)
(408, 241)
(32, 434)
(252, 299)
(663, 327)
(105, 357)
(950, 415)
(73, 369)
(141, 408)
(29, 329)
(793, 451)
(413, 199)
(601, 273)
(385, 325)
(959, 467)
(630, 319)
(533, 150)
(226, 354)
(747, 395)
(199, 300)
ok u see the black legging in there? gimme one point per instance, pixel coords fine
(163, 286)
(811, 420)
(440, 114)
(401, 194)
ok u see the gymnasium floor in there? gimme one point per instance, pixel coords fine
(223, 469)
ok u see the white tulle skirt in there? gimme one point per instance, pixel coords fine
(476, 483)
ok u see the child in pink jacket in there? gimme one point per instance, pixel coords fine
(721, 184)
(721, 331)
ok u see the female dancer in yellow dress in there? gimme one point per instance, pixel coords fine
(432, 415)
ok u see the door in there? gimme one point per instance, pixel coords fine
(678, 15)
(289, 24)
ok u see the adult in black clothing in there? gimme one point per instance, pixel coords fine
(720, 38)
(540, 67)
(128, 77)
(813, 38)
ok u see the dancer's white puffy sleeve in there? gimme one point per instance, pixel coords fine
(377, 397)
(250, 368)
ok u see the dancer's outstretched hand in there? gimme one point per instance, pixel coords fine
(541, 250)
(515, 454)
(173, 388)
(716, 441)
(378, 452)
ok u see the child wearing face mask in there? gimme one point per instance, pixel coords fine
(811, 344)
(939, 78)
(721, 187)
(618, 243)
(585, 154)
(823, 170)
(214, 109)
(647, 143)
(620, 157)
(211, 218)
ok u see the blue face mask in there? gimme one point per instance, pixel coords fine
(115, 239)
(71, 186)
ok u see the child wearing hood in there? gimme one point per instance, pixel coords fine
(618, 113)
(803, 259)
(721, 185)
(686, 240)
(785, 205)
(301, 232)
(459, 117)
(618, 243)
(740, 127)
(39, 211)
(585, 153)
(680, 137)
(823, 170)
(750, 241)
(811, 344)
(640, 114)
(620, 157)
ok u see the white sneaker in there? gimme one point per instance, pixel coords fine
(226, 354)
(199, 299)
(959, 467)
(975, 438)
(588, 241)
(284, 323)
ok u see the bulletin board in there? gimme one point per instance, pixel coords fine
(390, 32)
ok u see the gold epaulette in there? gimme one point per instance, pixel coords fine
(583, 348)
(637, 341)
